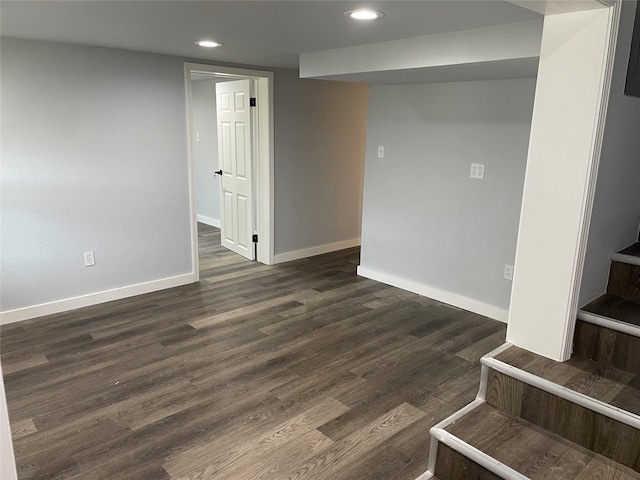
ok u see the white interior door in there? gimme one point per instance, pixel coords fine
(235, 156)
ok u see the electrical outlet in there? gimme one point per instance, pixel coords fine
(508, 272)
(89, 259)
(197, 136)
(477, 170)
(380, 151)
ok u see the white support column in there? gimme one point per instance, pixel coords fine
(564, 151)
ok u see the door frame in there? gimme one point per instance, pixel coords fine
(264, 158)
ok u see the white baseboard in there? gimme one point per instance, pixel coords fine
(320, 249)
(66, 304)
(208, 221)
(454, 299)
(425, 476)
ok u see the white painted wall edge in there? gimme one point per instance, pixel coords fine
(553, 7)
(7, 460)
(319, 250)
(66, 304)
(501, 42)
(451, 298)
(191, 171)
(209, 221)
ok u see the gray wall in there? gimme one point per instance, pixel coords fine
(94, 157)
(424, 219)
(320, 132)
(616, 208)
(205, 151)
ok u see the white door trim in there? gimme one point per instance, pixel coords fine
(263, 177)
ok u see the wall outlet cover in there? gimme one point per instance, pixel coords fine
(508, 272)
(89, 259)
(477, 170)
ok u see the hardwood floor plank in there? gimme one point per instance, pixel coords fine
(23, 428)
(56, 456)
(298, 297)
(380, 463)
(223, 464)
(200, 425)
(333, 297)
(285, 457)
(9, 368)
(474, 352)
(324, 464)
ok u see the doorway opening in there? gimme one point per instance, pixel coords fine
(235, 180)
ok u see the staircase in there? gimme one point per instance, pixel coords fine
(535, 418)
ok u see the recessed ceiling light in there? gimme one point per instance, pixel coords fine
(364, 14)
(208, 43)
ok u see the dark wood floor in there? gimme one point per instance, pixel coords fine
(301, 370)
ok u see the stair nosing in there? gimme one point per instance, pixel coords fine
(441, 435)
(608, 322)
(624, 258)
(476, 455)
(487, 460)
(593, 404)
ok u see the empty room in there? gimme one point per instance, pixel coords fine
(319, 239)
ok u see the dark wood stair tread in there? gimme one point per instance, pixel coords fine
(531, 450)
(607, 384)
(617, 308)
(633, 250)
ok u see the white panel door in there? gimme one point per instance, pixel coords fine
(234, 153)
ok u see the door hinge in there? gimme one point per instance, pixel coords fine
(252, 102)
(254, 238)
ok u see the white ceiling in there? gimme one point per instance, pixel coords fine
(261, 33)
